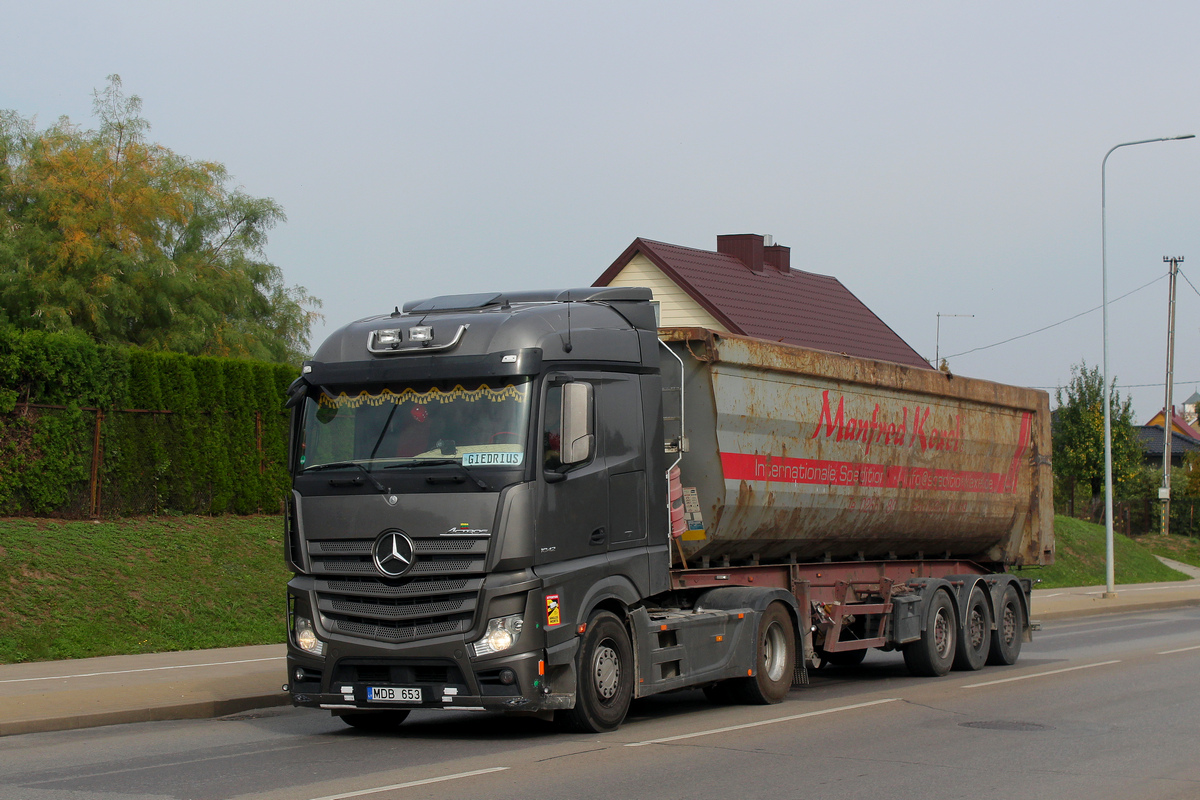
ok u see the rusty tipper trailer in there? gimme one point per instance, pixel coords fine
(539, 503)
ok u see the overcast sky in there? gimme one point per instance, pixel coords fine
(935, 157)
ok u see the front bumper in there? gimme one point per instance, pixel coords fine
(343, 682)
(356, 701)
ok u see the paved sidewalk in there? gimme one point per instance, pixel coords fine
(86, 692)
(63, 695)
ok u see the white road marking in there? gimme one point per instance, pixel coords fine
(144, 669)
(378, 789)
(1041, 674)
(764, 722)
(1180, 650)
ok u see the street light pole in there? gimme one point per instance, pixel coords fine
(1110, 589)
(1168, 404)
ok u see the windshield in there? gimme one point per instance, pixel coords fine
(481, 424)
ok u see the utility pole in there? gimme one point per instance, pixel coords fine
(1164, 493)
(937, 340)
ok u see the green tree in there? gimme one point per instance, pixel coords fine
(1079, 433)
(131, 243)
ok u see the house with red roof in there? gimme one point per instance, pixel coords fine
(1184, 438)
(748, 287)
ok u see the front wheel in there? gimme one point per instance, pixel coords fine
(605, 676)
(775, 662)
(932, 654)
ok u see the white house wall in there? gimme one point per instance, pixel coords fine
(676, 308)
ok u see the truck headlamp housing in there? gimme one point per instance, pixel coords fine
(306, 637)
(501, 634)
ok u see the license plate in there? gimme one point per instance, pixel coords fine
(393, 694)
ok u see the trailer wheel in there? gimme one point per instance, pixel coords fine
(605, 676)
(375, 721)
(933, 654)
(1010, 626)
(975, 635)
(775, 661)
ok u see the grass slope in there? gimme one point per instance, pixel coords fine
(78, 589)
(1179, 548)
(1080, 558)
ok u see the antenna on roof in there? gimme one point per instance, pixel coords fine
(567, 344)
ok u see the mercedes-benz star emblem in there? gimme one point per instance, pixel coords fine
(394, 554)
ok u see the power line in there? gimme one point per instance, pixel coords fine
(1189, 282)
(1062, 322)
(1158, 385)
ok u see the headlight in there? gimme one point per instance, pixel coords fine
(306, 637)
(502, 633)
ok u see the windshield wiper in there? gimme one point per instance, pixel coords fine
(343, 465)
(437, 462)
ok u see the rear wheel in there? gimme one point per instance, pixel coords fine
(377, 721)
(975, 635)
(1010, 627)
(775, 662)
(604, 668)
(933, 654)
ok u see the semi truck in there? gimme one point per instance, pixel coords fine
(544, 504)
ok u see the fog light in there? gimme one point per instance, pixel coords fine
(502, 633)
(508, 677)
(306, 637)
(299, 675)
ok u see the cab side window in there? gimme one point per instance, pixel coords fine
(552, 428)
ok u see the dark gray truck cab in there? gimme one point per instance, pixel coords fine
(475, 478)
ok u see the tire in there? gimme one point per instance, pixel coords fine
(604, 670)
(1010, 628)
(774, 662)
(846, 659)
(975, 634)
(376, 721)
(933, 654)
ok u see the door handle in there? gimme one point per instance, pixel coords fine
(598, 536)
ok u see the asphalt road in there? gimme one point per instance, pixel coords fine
(1102, 707)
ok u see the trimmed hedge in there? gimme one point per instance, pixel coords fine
(178, 433)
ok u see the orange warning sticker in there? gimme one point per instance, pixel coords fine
(553, 617)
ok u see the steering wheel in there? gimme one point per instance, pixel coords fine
(513, 434)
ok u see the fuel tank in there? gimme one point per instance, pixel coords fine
(801, 455)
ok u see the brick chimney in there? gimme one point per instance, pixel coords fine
(745, 247)
(779, 257)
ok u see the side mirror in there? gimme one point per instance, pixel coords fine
(577, 436)
(295, 393)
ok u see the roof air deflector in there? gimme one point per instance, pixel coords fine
(454, 302)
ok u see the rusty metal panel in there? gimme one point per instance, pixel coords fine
(803, 455)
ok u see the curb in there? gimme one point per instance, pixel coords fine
(206, 709)
(1093, 611)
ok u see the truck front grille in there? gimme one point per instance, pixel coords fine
(437, 597)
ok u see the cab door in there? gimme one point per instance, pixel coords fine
(572, 519)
